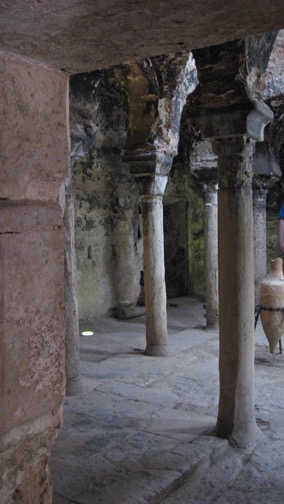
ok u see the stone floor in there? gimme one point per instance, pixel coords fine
(142, 430)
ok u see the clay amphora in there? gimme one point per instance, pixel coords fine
(272, 296)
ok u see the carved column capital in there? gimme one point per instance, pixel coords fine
(263, 183)
(266, 169)
(259, 196)
(150, 169)
(210, 191)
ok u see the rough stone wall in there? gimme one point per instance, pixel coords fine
(32, 369)
(108, 243)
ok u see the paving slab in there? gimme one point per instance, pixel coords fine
(142, 431)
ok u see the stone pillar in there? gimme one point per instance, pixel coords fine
(73, 385)
(33, 159)
(259, 236)
(151, 174)
(236, 416)
(211, 254)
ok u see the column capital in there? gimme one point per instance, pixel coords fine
(263, 183)
(210, 190)
(210, 187)
(235, 123)
(266, 169)
(235, 162)
(150, 169)
(232, 145)
(259, 195)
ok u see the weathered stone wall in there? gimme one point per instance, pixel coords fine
(108, 243)
(32, 369)
(122, 107)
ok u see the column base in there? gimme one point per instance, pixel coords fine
(210, 326)
(74, 386)
(129, 312)
(242, 437)
(157, 350)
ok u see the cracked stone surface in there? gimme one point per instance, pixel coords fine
(142, 429)
(78, 36)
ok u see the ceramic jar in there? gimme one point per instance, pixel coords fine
(272, 296)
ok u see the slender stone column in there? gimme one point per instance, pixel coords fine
(259, 235)
(73, 385)
(211, 255)
(236, 417)
(151, 175)
(154, 275)
(234, 126)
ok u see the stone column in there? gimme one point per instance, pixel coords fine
(154, 275)
(73, 384)
(211, 254)
(259, 236)
(151, 174)
(236, 416)
(233, 118)
(266, 172)
(33, 160)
